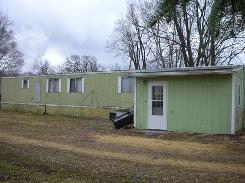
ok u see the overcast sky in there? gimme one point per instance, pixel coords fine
(54, 29)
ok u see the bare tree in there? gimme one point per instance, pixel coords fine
(11, 59)
(183, 33)
(145, 47)
(43, 68)
(128, 38)
(201, 41)
(163, 53)
(76, 63)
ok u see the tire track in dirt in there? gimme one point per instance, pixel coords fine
(195, 165)
(143, 142)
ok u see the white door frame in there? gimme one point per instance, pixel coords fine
(165, 104)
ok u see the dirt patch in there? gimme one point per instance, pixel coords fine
(151, 143)
(128, 157)
(49, 148)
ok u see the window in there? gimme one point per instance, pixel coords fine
(239, 94)
(25, 84)
(54, 85)
(75, 85)
(126, 84)
(157, 100)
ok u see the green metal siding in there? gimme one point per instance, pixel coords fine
(100, 90)
(199, 104)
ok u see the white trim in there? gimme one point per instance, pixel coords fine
(59, 85)
(28, 83)
(186, 73)
(233, 104)
(68, 85)
(135, 102)
(83, 87)
(22, 83)
(119, 84)
(47, 85)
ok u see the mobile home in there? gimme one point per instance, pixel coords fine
(89, 95)
(196, 100)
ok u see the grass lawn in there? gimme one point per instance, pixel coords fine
(48, 148)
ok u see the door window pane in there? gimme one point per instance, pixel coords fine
(157, 107)
(157, 100)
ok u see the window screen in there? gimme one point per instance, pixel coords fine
(79, 84)
(76, 85)
(127, 84)
(25, 84)
(72, 85)
(53, 86)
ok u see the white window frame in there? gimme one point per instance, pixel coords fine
(69, 85)
(47, 85)
(22, 83)
(119, 84)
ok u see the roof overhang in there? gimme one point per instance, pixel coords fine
(183, 71)
(188, 71)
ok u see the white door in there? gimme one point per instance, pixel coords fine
(157, 105)
(37, 92)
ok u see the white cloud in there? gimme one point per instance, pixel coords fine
(54, 29)
(53, 56)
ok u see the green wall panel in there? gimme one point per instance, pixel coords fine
(100, 90)
(199, 104)
(141, 103)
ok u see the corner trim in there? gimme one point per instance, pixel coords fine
(135, 101)
(233, 104)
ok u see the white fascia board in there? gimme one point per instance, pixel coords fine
(177, 74)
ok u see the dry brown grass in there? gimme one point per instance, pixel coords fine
(223, 167)
(157, 144)
(43, 148)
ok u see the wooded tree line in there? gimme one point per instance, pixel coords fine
(73, 64)
(180, 33)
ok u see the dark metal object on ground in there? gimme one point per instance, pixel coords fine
(123, 120)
